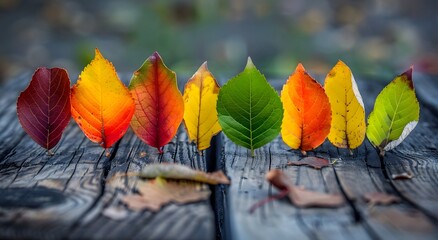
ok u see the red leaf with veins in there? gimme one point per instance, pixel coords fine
(43, 108)
(159, 105)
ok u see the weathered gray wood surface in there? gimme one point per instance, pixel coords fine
(65, 195)
(351, 176)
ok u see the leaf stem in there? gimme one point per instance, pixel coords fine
(252, 153)
(50, 153)
(262, 202)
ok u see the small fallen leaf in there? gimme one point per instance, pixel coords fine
(301, 197)
(380, 198)
(181, 172)
(314, 162)
(115, 213)
(402, 176)
(413, 221)
(154, 194)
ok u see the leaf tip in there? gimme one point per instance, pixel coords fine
(300, 68)
(97, 53)
(341, 63)
(408, 75)
(156, 55)
(204, 66)
(249, 63)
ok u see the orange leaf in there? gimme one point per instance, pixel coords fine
(307, 113)
(159, 106)
(100, 103)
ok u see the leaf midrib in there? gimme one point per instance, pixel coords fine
(250, 112)
(393, 116)
(198, 125)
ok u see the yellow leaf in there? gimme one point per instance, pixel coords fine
(100, 103)
(348, 114)
(200, 115)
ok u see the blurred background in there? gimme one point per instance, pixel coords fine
(376, 38)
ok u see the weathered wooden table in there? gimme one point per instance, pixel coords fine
(66, 196)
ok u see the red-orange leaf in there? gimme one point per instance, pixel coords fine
(307, 112)
(101, 105)
(159, 106)
(44, 107)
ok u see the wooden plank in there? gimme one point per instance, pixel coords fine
(192, 221)
(419, 156)
(10, 131)
(280, 219)
(360, 174)
(66, 194)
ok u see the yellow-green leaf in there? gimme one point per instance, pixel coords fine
(396, 113)
(348, 113)
(200, 115)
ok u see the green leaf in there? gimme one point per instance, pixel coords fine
(395, 115)
(249, 109)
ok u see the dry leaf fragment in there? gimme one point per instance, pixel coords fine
(314, 162)
(413, 221)
(402, 176)
(301, 197)
(159, 192)
(115, 213)
(380, 198)
(181, 172)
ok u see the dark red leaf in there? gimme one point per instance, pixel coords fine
(43, 108)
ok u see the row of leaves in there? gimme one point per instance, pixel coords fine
(247, 108)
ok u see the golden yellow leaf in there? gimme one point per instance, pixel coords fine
(348, 114)
(200, 114)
